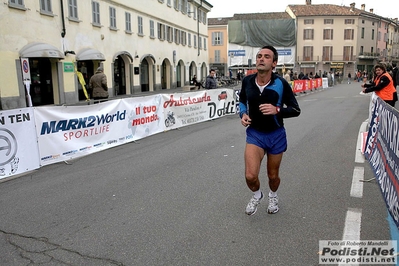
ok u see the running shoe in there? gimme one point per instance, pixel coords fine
(253, 205)
(273, 205)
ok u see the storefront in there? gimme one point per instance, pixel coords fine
(43, 59)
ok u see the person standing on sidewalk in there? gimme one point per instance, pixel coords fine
(265, 99)
(210, 82)
(382, 85)
(349, 78)
(98, 83)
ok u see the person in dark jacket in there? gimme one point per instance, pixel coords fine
(210, 80)
(98, 83)
(265, 100)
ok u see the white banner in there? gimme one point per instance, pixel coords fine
(67, 132)
(182, 109)
(18, 144)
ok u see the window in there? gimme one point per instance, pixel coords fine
(217, 56)
(328, 21)
(189, 39)
(112, 17)
(348, 53)
(195, 41)
(161, 31)
(328, 34)
(372, 34)
(181, 5)
(73, 9)
(308, 21)
(361, 49)
(217, 38)
(379, 36)
(152, 29)
(349, 21)
(308, 34)
(362, 33)
(349, 34)
(169, 2)
(199, 42)
(176, 4)
(307, 53)
(169, 33)
(128, 22)
(183, 37)
(327, 53)
(205, 43)
(45, 6)
(140, 25)
(177, 36)
(16, 3)
(96, 13)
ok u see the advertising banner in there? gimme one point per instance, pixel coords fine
(186, 109)
(66, 132)
(18, 145)
(382, 152)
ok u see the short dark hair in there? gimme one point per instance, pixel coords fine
(275, 53)
(211, 70)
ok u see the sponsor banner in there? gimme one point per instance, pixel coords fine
(144, 117)
(18, 146)
(183, 109)
(303, 85)
(354, 252)
(66, 132)
(382, 152)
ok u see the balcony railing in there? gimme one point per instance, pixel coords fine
(218, 61)
(365, 55)
(335, 58)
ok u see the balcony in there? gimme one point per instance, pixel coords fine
(326, 59)
(368, 55)
(217, 61)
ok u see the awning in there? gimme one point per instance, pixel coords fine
(123, 53)
(89, 54)
(43, 50)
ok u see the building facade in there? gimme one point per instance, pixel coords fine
(328, 38)
(218, 45)
(141, 47)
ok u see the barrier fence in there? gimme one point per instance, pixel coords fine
(33, 137)
(382, 151)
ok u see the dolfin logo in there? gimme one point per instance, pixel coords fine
(79, 123)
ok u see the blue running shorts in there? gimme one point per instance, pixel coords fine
(274, 142)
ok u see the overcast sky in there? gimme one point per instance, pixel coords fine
(227, 8)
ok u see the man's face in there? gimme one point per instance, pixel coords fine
(264, 60)
(212, 73)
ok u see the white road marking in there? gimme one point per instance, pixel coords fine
(357, 185)
(352, 227)
(359, 157)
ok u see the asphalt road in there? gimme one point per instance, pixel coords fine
(178, 197)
